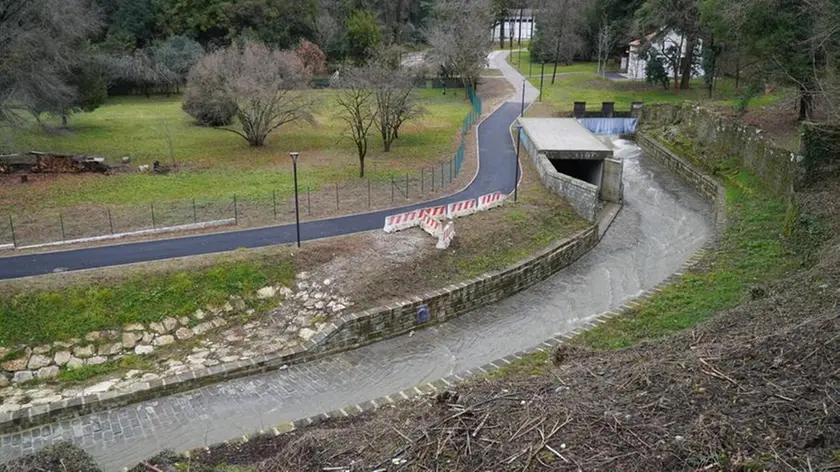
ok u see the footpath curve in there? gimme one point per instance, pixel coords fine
(495, 173)
(662, 224)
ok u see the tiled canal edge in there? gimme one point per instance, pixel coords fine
(713, 188)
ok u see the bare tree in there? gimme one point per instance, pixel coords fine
(165, 132)
(40, 42)
(558, 38)
(606, 42)
(459, 38)
(394, 99)
(266, 86)
(356, 99)
(825, 44)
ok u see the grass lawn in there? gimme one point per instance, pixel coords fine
(579, 82)
(215, 163)
(516, 44)
(521, 61)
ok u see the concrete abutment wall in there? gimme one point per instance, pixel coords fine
(582, 196)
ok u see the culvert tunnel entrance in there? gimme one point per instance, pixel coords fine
(587, 170)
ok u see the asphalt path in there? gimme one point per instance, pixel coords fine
(495, 173)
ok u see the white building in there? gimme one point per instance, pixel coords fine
(513, 23)
(633, 62)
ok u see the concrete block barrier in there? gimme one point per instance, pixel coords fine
(431, 225)
(402, 221)
(491, 200)
(462, 208)
(446, 236)
(436, 212)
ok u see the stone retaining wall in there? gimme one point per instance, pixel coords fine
(706, 186)
(363, 328)
(716, 137)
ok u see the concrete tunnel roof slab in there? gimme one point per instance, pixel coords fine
(564, 138)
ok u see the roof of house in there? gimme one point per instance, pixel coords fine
(648, 38)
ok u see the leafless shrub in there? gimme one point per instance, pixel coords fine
(60, 457)
(265, 85)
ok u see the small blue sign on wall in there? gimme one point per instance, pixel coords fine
(422, 314)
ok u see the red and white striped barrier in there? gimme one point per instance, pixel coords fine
(462, 208)
(436, 212)
(491, 200)
(402, 221)
(431, 225)
(446, 236)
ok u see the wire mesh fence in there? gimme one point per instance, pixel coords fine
(381, 191)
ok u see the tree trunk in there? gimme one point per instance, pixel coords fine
(64, 120)
(676, 66)
(685, 83)
(383, 131)
(502, 34)
(361, 167)
(714, 66)
(806, 104)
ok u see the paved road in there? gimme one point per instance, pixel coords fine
(495, 173)
(661, 225)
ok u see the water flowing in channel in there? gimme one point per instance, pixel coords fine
(609, 126)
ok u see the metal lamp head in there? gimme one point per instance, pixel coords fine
(294, 155)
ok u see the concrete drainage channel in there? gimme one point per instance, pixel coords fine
(704, 185)
(661, 226)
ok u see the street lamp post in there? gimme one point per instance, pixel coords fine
(516, 171)
(294, 156)
(542, 76)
